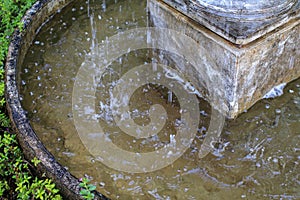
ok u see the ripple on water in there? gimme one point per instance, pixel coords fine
(257, 156)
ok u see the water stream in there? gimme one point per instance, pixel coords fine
(256, 157)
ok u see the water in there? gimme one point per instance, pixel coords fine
(256, 157)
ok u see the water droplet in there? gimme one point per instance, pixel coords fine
(267, 106)
(291, 91)
(101, 184)
(73, 9)
(277, 111)
(258, 165)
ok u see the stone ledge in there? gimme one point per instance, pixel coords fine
(237, 28)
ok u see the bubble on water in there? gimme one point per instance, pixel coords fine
(277, 111)
(258, 165)
(275, 160)
(203, 113)
(291, 91)
(101, 184)
(145, 90)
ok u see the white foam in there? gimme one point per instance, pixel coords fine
(275, 92)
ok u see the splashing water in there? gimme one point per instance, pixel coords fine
(257, 156)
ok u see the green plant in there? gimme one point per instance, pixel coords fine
(11, 13)
(87, 189)
(35, 161)
(16, 180)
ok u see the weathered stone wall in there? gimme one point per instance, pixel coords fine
(241, 74)
(268, 62)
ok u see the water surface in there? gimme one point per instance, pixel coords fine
(257, 156)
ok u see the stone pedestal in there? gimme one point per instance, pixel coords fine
(255, 44)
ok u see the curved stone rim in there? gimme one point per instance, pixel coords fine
(28, 140)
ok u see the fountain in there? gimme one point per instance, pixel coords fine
(132, 100)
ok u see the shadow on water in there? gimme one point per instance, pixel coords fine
(256, 157)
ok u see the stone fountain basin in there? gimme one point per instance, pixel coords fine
(30, 143)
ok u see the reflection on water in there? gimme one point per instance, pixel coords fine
(257, 156)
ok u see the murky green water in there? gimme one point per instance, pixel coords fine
(257, 156)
